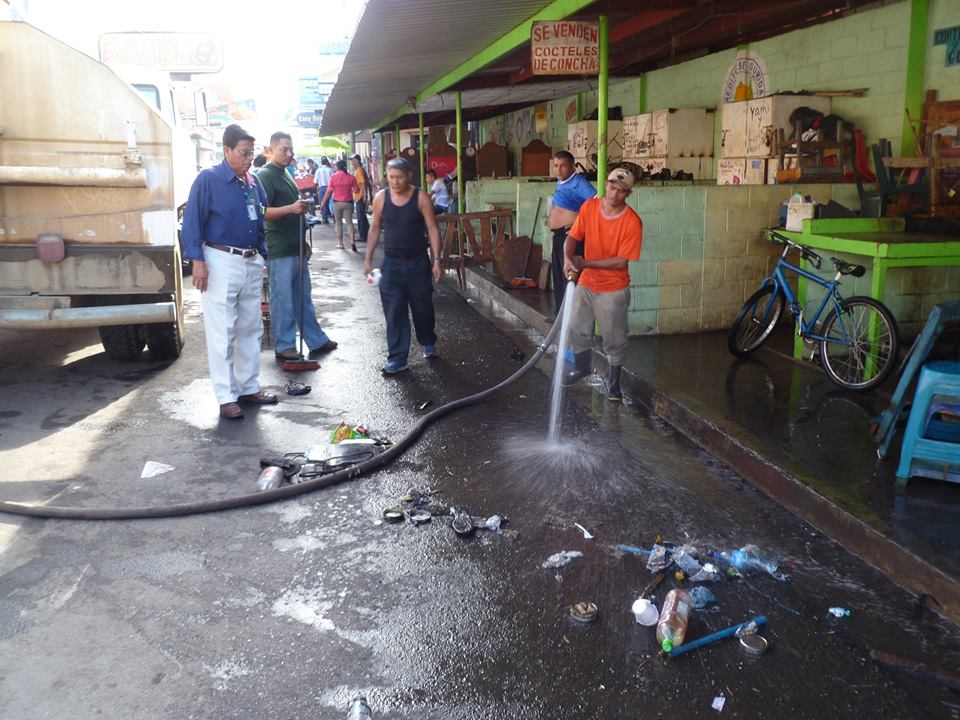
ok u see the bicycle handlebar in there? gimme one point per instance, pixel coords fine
(805, 252)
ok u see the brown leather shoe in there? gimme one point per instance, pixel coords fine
(231, 411)
(260, 398)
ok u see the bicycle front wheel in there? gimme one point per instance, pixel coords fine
(861, 346)
(756, 320)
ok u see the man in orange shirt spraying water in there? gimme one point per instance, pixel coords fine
(612, 234)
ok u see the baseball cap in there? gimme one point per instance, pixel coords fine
(623, 177)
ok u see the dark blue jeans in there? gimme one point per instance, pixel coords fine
(407, 284)
(363, 224)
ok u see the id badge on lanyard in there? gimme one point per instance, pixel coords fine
(251, 203)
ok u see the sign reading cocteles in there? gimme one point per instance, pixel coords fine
(565, 47)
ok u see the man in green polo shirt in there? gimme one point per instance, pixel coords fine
(291, 305)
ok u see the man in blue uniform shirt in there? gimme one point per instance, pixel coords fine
(223, 236)
(573, 189)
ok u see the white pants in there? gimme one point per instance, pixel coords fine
(233, 323)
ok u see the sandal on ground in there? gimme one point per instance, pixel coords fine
(340, 246)
(353, 246)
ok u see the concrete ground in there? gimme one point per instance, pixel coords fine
(287, 610)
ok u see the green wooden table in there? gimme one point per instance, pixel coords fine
(882, 239)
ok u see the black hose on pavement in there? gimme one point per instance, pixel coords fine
(284, 491)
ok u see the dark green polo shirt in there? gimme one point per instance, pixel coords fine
(282, 235)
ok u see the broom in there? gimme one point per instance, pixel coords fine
(302, 364)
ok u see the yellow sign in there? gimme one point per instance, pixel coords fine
(166, 52)
(565, 47)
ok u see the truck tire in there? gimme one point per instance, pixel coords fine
(123, 342)
(164, 340)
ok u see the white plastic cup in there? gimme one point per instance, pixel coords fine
(645, 612)
(373, 278)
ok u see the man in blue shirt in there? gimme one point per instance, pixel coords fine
(573, 189)
(223, 236)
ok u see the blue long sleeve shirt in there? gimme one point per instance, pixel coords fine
(573, 192)
(218, 212)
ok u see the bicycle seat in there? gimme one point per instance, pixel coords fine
(845, 268)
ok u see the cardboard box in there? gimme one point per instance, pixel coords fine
(582, 139)
(637, 139)
(755, 172)
(731, 171)
(682, 132)
(797, 212)
(751, 128)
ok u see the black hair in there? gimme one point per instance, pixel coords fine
(233, 135)
(431, 171)
(280, 135)
(563, 155)
(342, 165)
(357, 158)
(324, 161)
(398, 164)
(260, 160)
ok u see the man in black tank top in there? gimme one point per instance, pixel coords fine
(406, 217)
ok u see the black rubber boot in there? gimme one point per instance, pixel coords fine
(581, 368)
(613, 384)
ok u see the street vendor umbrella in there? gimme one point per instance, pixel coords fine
(323, 146)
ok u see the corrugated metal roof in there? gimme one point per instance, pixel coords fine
(401, 46)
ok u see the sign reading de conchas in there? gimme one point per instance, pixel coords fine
(565, 47)
(166, 52)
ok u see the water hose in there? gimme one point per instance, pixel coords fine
(284, 491)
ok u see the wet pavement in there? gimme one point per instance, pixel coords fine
(285, 611)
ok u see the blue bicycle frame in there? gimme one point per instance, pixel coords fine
(806, 327)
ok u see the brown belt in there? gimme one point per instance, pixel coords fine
(243, 252)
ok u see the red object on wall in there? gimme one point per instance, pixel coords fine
(443, 165)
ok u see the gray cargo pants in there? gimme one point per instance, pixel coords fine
(609, 311)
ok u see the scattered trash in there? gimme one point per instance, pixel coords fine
(674, 616)
(585, 612)
(344, 432)
(270, 477)
(754, 643)
(393, 515)
(359, 709)
(685, 561)
(419, 516)
(719, 635)
(749, 558)
(645, 612)
(297, 388)
(718, 703)
(424, 405)
(679, 576)
(471, 301)
(462, 522)
(558, 560)
(151, 468)
(493, 523)
(839, 612)
(708, 573)
(586, 533)
(652, 585)
(659, 558)
(701, 597)
(633, 549)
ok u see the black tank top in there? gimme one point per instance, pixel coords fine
(404, 230)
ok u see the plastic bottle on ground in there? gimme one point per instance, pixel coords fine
(359, 710)
(747, 558)
(674, 617)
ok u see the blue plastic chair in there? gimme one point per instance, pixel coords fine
(931, 447)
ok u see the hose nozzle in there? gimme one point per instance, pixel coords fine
(572, 275)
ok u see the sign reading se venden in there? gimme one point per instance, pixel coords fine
(565, 47)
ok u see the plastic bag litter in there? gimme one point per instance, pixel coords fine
(152, 468)
(345, 432)
(701, 597)
(659, 558)
(558, 560)
(707, 573)
(493, 523)
(685, 561)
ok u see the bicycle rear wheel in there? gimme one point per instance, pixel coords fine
(756, 320)
(861, 346)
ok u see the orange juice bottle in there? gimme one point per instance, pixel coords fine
(674, 616)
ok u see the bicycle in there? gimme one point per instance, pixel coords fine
(858, 340)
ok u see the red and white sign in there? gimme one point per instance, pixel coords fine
(565, 47)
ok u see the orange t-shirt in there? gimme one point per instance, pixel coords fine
(606, 238)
